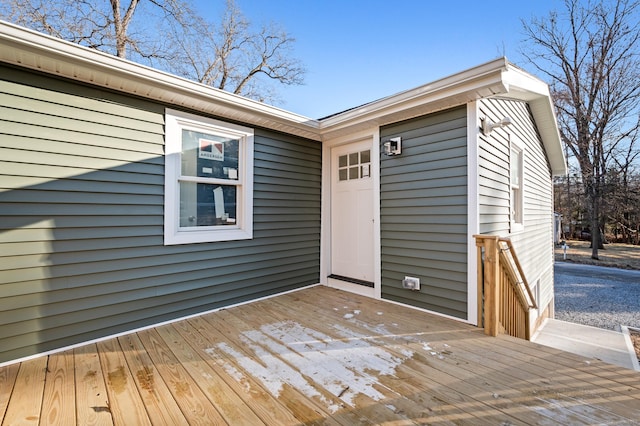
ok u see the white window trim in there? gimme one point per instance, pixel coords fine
(517, 226)
(175, 122)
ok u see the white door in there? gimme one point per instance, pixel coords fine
(352, 215)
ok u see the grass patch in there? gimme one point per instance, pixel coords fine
(626, 256)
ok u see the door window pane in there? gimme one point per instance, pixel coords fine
(353, 173)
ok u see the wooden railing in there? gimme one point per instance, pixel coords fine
(504, 297)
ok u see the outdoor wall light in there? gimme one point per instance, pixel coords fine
(488, 126)
(393, 146)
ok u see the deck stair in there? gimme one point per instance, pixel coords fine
(505, 296)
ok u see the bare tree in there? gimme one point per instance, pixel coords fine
(170, 35)
(590, 53)
(232, 57)
(623, 208)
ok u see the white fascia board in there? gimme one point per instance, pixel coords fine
(544, 114)
(26, 48)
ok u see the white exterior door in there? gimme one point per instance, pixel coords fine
(352, 216)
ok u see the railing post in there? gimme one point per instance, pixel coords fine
(480, 280)
(491, 283)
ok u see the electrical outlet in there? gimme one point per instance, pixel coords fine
(411, 283)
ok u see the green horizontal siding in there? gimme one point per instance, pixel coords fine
(423, 208)
(81, 220)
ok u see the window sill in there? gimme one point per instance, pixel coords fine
(198, 236)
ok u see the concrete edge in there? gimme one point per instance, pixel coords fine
(630, 348)
(535, 334)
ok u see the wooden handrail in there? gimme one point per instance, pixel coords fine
(520, 278)
(506, 296)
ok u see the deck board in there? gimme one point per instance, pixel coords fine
(221, 396)
(92, 402)
(157, 398)
(26, 397)
(245, 392)
(190, 398)
(239, 356)
(414, 379)
(125, 402)
(529, 365)
(7, 381)
(59, 398)
(303, 351)
(316, 356)
(460, 371)
(476, 382)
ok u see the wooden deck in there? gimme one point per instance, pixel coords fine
(316, 356)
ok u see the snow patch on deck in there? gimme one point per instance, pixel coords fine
(334, 371)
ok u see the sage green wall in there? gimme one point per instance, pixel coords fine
(423, 207)
(81, 219)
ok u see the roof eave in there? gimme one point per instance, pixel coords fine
(494, 78)
(29, 49)
(526, 87)
(479, 82)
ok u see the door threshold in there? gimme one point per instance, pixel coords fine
(352, 280)
(362, 290)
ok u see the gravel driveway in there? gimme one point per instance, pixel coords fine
(597, 296)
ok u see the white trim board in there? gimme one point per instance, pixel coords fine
(473, 213)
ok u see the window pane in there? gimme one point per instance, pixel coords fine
(365, 156)
(353, 159)
(516, 211)
(353, 172)
(342, 174)
(208, 155)
(342, 161)
(204, 204)
(516, 165)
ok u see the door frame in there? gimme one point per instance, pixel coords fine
(372, 135)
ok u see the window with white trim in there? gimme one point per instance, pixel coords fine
(516, 182)
(208, 180)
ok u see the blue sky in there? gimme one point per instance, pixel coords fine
(357, 51)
